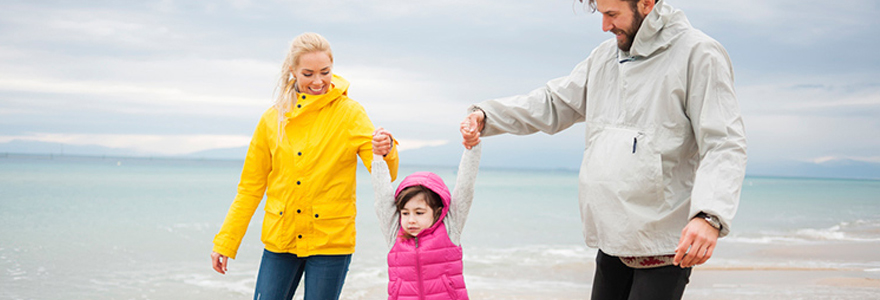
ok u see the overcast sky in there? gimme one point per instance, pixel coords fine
(176, 77)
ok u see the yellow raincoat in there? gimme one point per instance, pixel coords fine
(308, 177)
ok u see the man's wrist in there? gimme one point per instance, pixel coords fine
(482, 123)
(713, 221)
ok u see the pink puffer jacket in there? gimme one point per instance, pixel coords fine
(428, 267)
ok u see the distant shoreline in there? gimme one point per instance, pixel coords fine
(95, 156)
(50, 156)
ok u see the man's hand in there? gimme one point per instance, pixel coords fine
(219, 262)
(471, 127)
(382, 141)
(697, 242)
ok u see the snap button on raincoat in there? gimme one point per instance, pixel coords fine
(307, 176)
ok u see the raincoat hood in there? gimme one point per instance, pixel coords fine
(433, 183)
(306, 103)
(659, 29)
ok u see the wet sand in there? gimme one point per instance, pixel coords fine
(747, 272)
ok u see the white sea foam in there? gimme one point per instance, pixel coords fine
(857, 231)
(495, 283)
(790, 264)
(530, 255)
(242, 286)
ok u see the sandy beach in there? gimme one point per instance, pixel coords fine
(706, 283)
(753, 272)
(811, 271)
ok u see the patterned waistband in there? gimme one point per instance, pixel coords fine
(645, 262)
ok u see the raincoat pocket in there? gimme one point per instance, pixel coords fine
(273, 225)
(622, 163)
(334, 223)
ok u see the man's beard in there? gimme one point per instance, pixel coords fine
(627, 43)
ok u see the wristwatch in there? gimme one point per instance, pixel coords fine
(713, 220)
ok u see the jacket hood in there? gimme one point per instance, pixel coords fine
(434, 183)
(306, 102)
(661, 26)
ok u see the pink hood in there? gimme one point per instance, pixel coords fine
(433, 183)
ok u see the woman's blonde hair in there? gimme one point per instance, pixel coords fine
(303, 44)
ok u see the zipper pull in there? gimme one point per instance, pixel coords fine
(417, 242)
(635, 141)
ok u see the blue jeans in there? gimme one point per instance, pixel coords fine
(280, 274)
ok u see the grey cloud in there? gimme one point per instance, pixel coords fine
(795, 62)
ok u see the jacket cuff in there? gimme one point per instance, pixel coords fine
(392, 154)
(223, 247)
(725, 224)
(476, 108)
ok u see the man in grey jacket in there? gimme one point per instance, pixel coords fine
(665, 151)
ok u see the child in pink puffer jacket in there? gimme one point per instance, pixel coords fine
(422, 224)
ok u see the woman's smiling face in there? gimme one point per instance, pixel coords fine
(313, 73)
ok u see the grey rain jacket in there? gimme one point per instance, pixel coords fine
(664, 136)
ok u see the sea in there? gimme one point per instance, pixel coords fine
(76, 227)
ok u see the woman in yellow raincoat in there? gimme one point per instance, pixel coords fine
(303, 157)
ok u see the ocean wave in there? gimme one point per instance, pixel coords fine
(722, 264)
(198, 227)
(367, 276)
(507, 283)
(243, 286)
(530, 255)
(856, 231)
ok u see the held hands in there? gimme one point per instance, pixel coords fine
(219, 261)
(382, 141)
(697, 242)
(471, 128)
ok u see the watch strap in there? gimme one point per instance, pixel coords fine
(712, 220)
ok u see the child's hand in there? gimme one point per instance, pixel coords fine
(471, 127)
(382, 141)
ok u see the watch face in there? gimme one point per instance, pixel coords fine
(713, 221)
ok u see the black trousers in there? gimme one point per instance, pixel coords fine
(616, 281)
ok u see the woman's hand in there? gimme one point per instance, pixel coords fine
(382, 141)
(219, 261)
(471, 127)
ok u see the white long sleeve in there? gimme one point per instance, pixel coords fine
(463, 193)
(383, 192)
(462, 197)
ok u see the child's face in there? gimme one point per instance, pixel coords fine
(416, 215)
